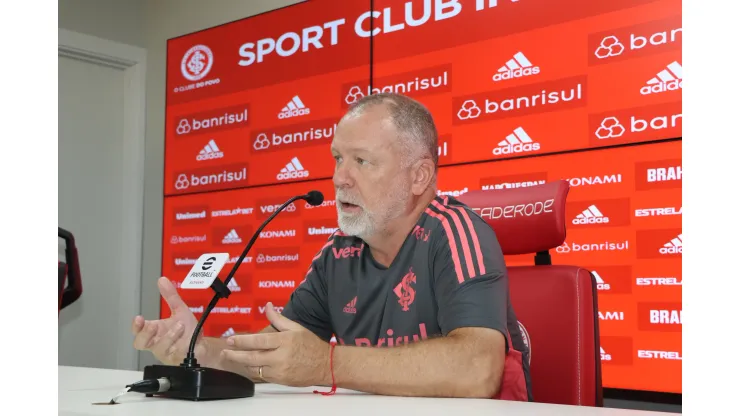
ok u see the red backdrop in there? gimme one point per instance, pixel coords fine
(522, 91)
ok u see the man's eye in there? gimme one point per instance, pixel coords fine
(361, 161)
(338, 159)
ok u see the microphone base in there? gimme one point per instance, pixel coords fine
(200, 383)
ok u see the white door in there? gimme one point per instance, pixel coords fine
(95, 204)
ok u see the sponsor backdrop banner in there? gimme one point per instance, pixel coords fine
(252, 107)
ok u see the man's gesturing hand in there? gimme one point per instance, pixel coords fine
(294, 356)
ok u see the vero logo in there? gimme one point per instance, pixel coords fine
(517, 67)
(516, 142)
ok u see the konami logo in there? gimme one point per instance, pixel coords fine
(277, 234)
(611, 316)
(660, 316)
(599, 213)
(595, 180)
(210, 121)
(635, 41)
(276, 284)
(659, 174)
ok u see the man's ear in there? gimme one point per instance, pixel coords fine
(423, 173)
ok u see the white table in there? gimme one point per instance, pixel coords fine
(80, 387)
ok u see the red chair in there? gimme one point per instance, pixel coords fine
(555, 304)
(70, 280)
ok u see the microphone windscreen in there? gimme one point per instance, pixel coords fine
(315, 198)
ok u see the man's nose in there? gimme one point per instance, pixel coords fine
(342, 177)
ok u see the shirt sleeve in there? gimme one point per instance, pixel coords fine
(308, 304)
(470, 279)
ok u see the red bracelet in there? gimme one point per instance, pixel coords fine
(331, 367)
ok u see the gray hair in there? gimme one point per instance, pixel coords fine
(410, 118)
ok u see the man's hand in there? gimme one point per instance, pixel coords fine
(294, 356)
(168, 339)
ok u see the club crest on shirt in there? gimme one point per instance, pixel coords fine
(404, 291)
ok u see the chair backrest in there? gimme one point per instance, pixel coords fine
(556, 305)
(69, 271)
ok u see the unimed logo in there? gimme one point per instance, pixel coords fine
(660, 316)
(637, 124)
(599, 213)
(522, 180)
(644, 39)
(319, 230)
(616, 350)
(659, 174)
(198, 214)
(294, 136)
(561, 94)
(659, 243)
(210, 121)
(210, 178)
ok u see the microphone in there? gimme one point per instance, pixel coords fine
(190, 381)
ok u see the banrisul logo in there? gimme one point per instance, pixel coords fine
(668, 79)
(517, 67)
(213, 120)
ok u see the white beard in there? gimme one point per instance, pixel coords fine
(368, 223)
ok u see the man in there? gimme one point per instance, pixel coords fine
(420, 276)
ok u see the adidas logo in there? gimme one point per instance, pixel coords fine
(604, 355)
(600, 284)
(668, 79)
(293, 170)
(590, 215)
(350, 308)
(231, 238)
(294, 108)
(229, 332)
(211, 151)
(517, 142)
(675, 246)
(517, 67)
(233, 286)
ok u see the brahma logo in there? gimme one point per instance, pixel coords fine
(643, 39)
(294, 136)
(196, 63)
(600, 213)
(660, 174)
(212, 178)
(561, 94)
(528, 209)
(517, 67)
(293, 170)
(668, 79)
(219, 119)
(660, 316)
(412, 84)
(659, 243)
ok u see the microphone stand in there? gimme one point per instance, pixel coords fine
(190, 381)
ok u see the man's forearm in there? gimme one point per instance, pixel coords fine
(465, 364)
(212, 353)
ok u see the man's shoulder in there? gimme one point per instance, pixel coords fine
(447, 217)
(340, 246)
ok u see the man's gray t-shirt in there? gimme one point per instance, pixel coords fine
(448, 274)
